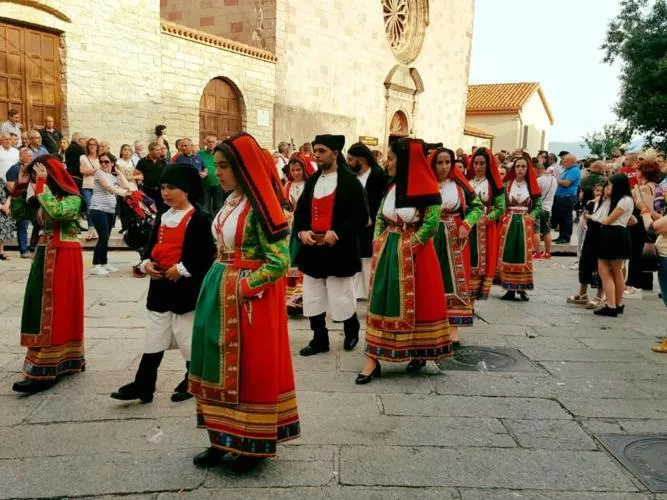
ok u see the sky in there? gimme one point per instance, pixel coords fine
(556, 43)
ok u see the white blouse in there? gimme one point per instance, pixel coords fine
(601, 210)
(450, 196)
(628, 206)
(224, 224)
(126, 168)
(295, 191)
(481, 187)
(409, 215)
(519, 193)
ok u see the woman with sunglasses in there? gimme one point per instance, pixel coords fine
(102, 212)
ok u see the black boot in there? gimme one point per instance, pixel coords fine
(181, 392)
(351, 329)
(211, 457)
(32, 386)
(320, 342)
(143, 386)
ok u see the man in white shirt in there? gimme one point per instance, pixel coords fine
(283, 159)
(8, 155)
(548, 185)
(13, 126)
(138, 151)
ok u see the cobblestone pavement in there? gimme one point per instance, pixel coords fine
(529, 432)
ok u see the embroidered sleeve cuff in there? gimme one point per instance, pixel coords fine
(39, 187)
(18, 189)
(467, 225)
(249, 291)
(142, 266)
(182, 270)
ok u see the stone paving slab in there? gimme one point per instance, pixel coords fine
(15, 410)
(472, 406)
(325, 493)
(405, 431)
(607, 370)
(617, 408)
(90, 438)
(479, 467)
(550, 434)
(99, 474)
(477, 494)
(530, 386)
(96, 407)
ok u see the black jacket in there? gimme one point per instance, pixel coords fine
(180, 296)
(350, 217)
(376, 187)
(51, 140)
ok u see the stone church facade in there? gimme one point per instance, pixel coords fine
(280, 69)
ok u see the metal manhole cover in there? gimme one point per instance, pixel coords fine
(643, 455)
(492, 359)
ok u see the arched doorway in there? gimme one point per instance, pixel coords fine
(399, 126)
(221, 110)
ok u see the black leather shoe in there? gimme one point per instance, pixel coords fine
(620, 309)
(365, 379)
(606, 311)
(350, 343)
(32, 386)
(130, 392)
(415, 365)
(181, 392)
(211, 457)
(523, 296)
(311, 350)
(245, 464)
(508, 296)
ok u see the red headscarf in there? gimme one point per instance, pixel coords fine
(58, 174)
(416, 184)
(455, 173)
(257, 176)
(531, 176)
(492, 172)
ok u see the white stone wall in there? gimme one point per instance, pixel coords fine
(506, 128)
(121, 76)
(534, 115)
(333, 57)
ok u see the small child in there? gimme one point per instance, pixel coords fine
(180, 252)
(595, 210)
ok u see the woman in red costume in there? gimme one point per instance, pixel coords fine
(299, 169)
(52, 321)
(459, 212)
(524, 204)
(485, 179)
(407, 312)
(241, 369)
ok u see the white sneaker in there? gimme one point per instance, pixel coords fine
(111, 268)
(100, 271)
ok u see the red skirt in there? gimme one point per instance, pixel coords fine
(52, 320)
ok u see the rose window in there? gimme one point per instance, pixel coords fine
(405, 24)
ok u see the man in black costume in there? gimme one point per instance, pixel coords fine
(329, 218)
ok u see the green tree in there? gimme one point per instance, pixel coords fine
(637, 37)
(601, 144)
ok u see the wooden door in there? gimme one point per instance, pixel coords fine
(29, 75)
(220, 110)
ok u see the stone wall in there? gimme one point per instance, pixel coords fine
(506, 128)
(121, 75)
(333, 59)
(248, 21)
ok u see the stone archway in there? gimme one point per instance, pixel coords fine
(399, 126)
(221, 110)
